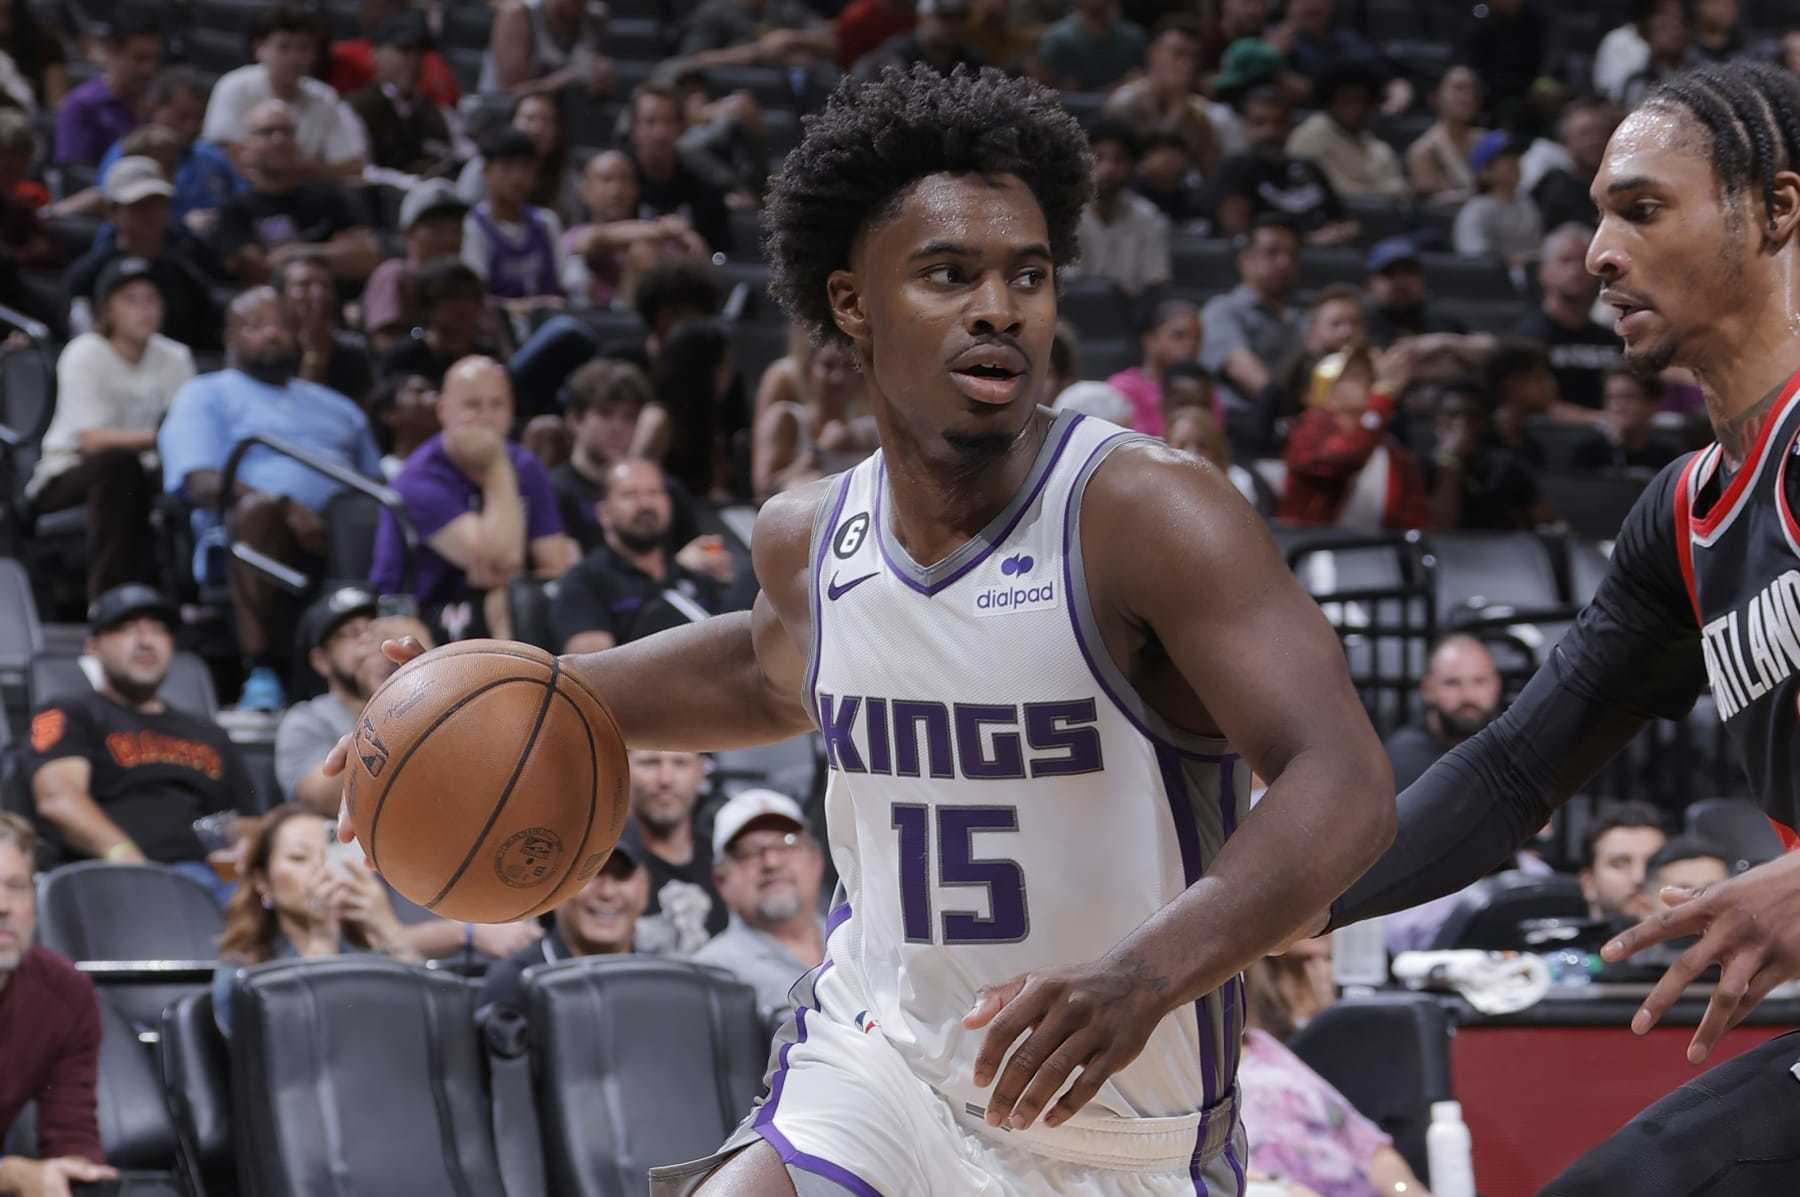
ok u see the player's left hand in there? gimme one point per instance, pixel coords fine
(1093, 1017)
(1749, 925)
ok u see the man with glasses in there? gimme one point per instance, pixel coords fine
(768, 868)
(283, 214)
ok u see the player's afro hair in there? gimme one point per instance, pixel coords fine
(875, 139)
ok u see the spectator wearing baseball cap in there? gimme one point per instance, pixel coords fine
(600, 920)
(406, 130)
(1502, 221)
(431, 222)
(115, 772)
(1396, 294)
(767, 867)
(114, 386)
(337, 642)
(138, 199)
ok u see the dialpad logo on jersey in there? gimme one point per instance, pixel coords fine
(1023, 587)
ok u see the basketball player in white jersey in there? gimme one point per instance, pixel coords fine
(1046, 655)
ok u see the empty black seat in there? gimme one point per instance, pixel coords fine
(196, 1079)
(1594, 505)
(1207, 264)
(1739, 828)
(94, 911)
(136, 1132)
(1389, 1054)
(21, 637)
(1451, 276)
(639, 1062)
(1477, 570)
(358, 1076)
(1489, 913)
(1097, 308)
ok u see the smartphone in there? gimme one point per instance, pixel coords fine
(340, 856)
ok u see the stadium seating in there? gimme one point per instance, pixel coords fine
(21, 639)
(362, 1070)
(638, 1062)
(121, 915)
(195, 1076)
(1490, 912)
(1389, 1054)
(1739, 827)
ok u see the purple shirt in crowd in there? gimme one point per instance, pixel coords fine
(437, 491)
(90, 120)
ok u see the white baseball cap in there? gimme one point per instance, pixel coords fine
(748, 806)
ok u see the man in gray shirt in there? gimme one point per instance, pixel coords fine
(338, 633)
(1250, 331)
(1124, 237)
(767, 867)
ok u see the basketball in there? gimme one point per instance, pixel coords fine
(485, 783)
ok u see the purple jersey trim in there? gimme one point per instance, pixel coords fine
(791, 1155)
(1187, 837)
(993, 540)
(836, 918)
(818, 606)
(1087, 651)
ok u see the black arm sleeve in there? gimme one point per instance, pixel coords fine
(1633, 655)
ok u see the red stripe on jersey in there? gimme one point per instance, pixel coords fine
(1781, 501)
(1790, 839)
(1684, 538)
(1741, 480)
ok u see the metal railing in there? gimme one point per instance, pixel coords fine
(282, 574)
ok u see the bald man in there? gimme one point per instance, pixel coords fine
(483, 508)
(283, 214)
(277, 505)
(1461, 693)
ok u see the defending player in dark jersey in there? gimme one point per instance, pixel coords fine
(1699, 250)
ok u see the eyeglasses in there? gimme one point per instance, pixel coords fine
(272, 130)
(781, 849)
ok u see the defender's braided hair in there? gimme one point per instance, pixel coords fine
(1751, 111)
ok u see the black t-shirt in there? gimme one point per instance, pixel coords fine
(1500, 491)
(503, 980)
(153, 775)
(576, 495)
(1411, 750)
(189, 314)
(1579, 357)
(677, 890)
(414, 355)
(1279, 185)
(606, 593)
(685, 193)
(1598, 453)
(311, 212)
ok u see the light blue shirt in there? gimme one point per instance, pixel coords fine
(213, 412)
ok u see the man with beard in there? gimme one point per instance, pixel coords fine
(482, 505)
(600, 920)
(685, 908)
(278, 504)
(336, 631)
(117, 774)
(630, 585)
(1461, 692)
(768, 868)
(49, 1038)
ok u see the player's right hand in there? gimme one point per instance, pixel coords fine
(399, 652)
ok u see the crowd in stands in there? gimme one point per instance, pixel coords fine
(502, 259)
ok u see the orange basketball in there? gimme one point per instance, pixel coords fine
(485, 783)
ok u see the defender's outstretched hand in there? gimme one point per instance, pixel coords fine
(1749, 925)
(399, 652)
(1093, 1017)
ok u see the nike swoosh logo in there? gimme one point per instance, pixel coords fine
(835, 592)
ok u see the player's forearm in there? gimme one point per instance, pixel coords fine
(696, 688)
(1322, 822)
(1488, 796)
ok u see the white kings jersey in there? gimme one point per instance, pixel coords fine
(1000, 800)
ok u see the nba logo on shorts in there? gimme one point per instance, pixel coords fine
(1023, 586)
